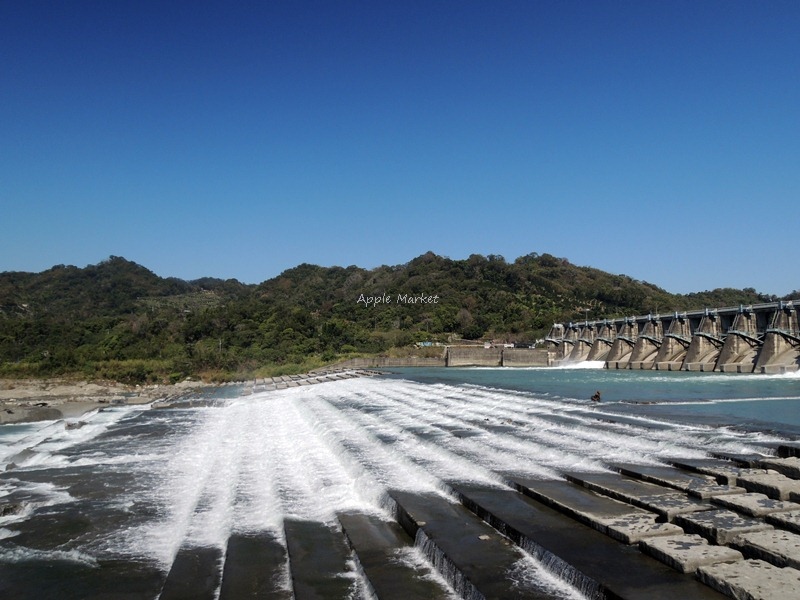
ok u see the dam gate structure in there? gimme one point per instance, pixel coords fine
(759, 338)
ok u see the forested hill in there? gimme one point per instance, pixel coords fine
(118, 320)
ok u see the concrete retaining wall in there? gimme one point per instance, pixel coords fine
(470, 356)
(386, 361)
(458, 356)
(525, 357)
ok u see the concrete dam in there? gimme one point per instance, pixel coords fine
(762, 338)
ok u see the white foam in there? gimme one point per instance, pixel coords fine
(20, 554)
(48, 439)
(585, 364)
(311, 452)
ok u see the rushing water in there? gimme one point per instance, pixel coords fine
(107, 506)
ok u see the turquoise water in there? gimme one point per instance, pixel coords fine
(758, 402)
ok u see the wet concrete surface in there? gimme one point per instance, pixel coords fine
(195, 574)
(614, 569)
(255, 568)
(650, 496)
(468, 552)
(385, 554)
(319, 557)
(699, 486)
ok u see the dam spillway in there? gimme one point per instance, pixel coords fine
(763, 338)
(386, 487)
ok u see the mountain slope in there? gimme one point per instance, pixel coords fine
(119, 320)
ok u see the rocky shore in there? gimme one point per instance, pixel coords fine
(28, 400)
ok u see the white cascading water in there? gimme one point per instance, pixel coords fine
(197, 475)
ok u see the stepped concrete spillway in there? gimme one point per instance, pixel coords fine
(384, 488)
(763, 338)
(702, 528)
(315, 377)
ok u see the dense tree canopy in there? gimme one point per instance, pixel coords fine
(119, 320)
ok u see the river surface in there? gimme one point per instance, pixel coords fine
(106, 507)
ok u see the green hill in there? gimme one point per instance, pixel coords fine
(118, 320)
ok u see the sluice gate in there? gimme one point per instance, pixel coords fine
(762, 338)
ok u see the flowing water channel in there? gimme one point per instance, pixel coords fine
(107, 507)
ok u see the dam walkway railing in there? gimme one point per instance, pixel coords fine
(758, 338)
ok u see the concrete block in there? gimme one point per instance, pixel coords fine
(318, 555)
(778, 369)
(773, 484)
(465, 550)
(685, 553)
(670, 504)
(755, 504)
(720, 526)
(785, 520)
(673, 365)
(194, 574)
(789, 449)
(752, 580)
(255, 565)
(631, 529)
(723, 471)
(599, 566)
(785, 466)
(641, 365)
(780, 548)
(617, 519)
(645, 495)
(699, 486)
(380, 546)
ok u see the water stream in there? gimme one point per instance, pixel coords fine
(111, 503)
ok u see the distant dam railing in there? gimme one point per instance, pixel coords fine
(759, 338)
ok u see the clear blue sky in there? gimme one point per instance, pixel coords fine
(238, 139)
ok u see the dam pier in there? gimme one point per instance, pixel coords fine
(761, 338)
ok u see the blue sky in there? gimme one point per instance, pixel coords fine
(656, 139)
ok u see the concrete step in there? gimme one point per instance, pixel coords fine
(686, 553)
(255, 567)
(467, 552)
(616, 519)
(703, 487)
(755, 504)
(789, 449)
(195, 574)
(742, 460)
(652, 497)
(752, 580)
(380, 547)
(318, 558)
(596, 564)
(788, 520)
(780, 548)
(720, 526)
(774, 485)
(725, 471)
(785, 466)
